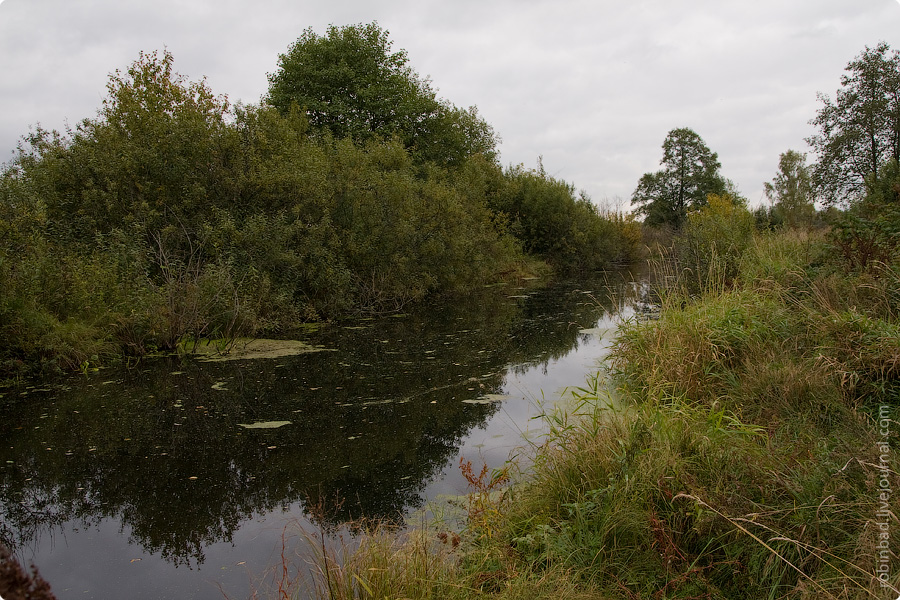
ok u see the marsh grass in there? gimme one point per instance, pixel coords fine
(379, 563)
(806, 354)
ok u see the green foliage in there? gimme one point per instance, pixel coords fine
(568, 231)
(713, 241)
(868, 233)
(790, 192)
(859, 132)
(350, 84)
(403, 236)
(802, 355)
(171, 215)
(156, 154)
(690, 173)
(858, 145)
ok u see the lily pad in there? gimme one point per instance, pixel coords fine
(264, 424)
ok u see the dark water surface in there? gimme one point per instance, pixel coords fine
(145, 482)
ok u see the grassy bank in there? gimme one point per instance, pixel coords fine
(751, 456)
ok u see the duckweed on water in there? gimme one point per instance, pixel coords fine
(264, 425)
(251, 349)
(487, 399)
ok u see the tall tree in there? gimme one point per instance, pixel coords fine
(351, 84)
(791, 190)
(859, 132)
(690, 173)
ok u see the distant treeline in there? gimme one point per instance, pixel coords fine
(173, 214)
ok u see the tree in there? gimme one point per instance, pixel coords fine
(352, 85)
(791, 190)
(690, 173)
(860, 131)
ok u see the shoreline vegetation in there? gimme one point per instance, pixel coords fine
(748, 454)
(173, 217)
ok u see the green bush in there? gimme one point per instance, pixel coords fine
(551, 222)
(172, 214)
(713, 242)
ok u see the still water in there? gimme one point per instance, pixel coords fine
(176, 478)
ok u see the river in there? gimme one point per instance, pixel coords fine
(176, 477)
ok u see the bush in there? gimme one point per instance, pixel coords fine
(171, 214)
(712, 243)
(567, 231)
(868, 233)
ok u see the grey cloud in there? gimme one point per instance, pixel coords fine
(591, 86)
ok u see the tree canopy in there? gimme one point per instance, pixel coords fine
(859, 132)
(858, 148)
(791, 191)
(351, 84)
(690, 173)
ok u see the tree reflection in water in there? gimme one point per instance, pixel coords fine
(373, 419)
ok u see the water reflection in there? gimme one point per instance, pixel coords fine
(373, 420)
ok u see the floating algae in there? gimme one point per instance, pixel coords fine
(248, 349)
(487, 399)
(264, 425)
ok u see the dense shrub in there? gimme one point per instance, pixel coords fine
(172, 214)
(567, 230)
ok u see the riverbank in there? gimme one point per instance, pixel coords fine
(753, 456)
(107, 250)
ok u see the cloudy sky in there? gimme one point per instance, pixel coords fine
(592, 86)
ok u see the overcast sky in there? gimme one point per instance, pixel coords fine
(592, 86)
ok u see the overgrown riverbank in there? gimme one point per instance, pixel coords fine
(752, 456)
(173, 215)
